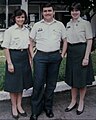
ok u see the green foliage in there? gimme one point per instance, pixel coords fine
(61, 70)
(2, 69)
(2, 74)
(94, 61)
(1, 53)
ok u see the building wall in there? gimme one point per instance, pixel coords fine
(33, 9)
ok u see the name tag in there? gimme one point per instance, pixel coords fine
(40, 29)
(69, 27)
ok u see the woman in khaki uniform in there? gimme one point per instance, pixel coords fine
(18, 74)
(79, 72)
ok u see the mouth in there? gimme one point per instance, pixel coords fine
(75, 15)
(48, 15)
(21, 22)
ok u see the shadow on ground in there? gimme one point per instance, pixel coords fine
(61, 101)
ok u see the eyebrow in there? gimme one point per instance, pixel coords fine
(75, 10)
(47, 10)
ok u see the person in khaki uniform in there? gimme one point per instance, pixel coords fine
(47, 35)
(18, 74)
(79, 72)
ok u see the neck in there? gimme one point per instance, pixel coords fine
(48, 21)
(20, 26)
(74, 20)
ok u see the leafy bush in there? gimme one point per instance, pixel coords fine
(2, 74)
(61, 70)
(94, 62)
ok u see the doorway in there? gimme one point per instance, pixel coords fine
(62, 16)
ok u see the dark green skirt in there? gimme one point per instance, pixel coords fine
(22, 77)
(77, 75)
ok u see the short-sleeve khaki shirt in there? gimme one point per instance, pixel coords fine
(80, 31)
(48, 35)
(16, 38)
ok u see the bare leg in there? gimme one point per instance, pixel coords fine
(74, 97)
(19, 103)
(13, 97)
(82, 96)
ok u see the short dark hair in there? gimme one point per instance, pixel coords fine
(19, 12)
(48, 5)
(76, 6)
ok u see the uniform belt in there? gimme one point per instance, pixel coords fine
(18, 50)
(48, 52)
(80, 43)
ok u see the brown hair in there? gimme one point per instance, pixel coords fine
(75, 6)
(48, 5)
(19, 12)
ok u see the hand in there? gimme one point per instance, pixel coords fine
(85, 62)
(31, 62)
(34, 53)
(62, 55)
(10, 68)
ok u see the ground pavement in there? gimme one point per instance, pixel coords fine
(61, 101)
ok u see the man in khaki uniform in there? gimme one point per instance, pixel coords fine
(47, 35)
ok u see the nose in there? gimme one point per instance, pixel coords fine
(47, 12)
(21, 18)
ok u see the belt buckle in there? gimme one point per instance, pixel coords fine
(21, 50)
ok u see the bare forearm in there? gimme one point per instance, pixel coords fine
(7, 55)
(31, 48)
(9, 62)
(88, 49)
(64, 48)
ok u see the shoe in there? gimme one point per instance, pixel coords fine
(33, 117)
(69, 109)
(23, 114)
(79, 112)
(49, 113)
(15, 116)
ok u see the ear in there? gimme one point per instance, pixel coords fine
(54, 13)
(42, 15)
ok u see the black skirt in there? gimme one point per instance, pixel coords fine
(22, 76)
(77, 75)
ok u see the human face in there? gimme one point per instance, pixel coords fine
(20, 20)
(75, 14)
(48, 14)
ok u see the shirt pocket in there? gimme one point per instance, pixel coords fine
(15, 40)
(40, 34)
(81, 32)
(70, 31)
(56, 34)
(80, 29)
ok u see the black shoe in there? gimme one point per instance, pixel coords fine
(23, 114)
(33, 117)
(15, 116)
(49, 113)
(79, 112)
(69, 109)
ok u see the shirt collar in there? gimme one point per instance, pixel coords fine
(54, 20)
(78, 20)
(17, 27)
